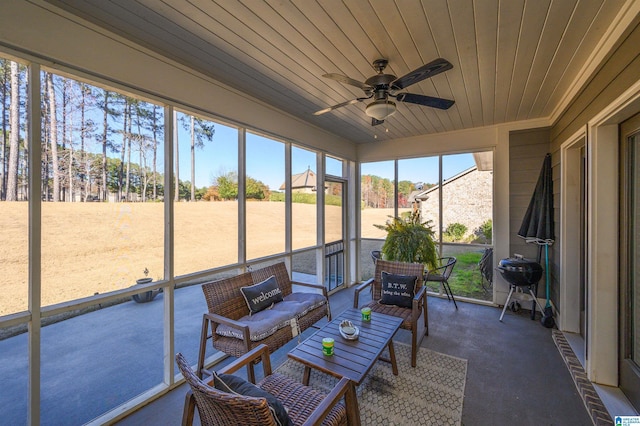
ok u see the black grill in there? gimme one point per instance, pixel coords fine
(520, 271)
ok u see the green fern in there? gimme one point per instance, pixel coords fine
(409, 240)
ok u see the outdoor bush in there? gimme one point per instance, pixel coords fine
(455, 232)
(305, 198)
(485, 230)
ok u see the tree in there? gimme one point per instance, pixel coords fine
(176, 154)
(201, 132)
(87, 126)
(211, 194)
(405, 188)
(156, 129)
(144, 119)
(5, 76)
(53, 137)
(227, 185)
(256, 190)
(377, 192)
(14, 140)
(107, 111)
(126, 144)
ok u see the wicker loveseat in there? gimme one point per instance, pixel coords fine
(235, 332)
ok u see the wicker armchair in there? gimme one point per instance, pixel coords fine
(305, 405)
(411, 316)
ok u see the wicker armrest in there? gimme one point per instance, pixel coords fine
(420, 294)
(215, 320)
(344, 388)
(359, 289)
(418, 300)
(316, 286)
(218, 319)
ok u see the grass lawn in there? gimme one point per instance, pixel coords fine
(466, 279)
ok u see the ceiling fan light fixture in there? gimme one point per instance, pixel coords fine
(381, 109)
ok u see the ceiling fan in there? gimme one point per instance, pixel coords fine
(381, 87)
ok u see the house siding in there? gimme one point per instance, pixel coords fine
(616, 75)
(467, 199)
(527, 150)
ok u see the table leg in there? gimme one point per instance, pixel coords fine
(351, 401)
(306, 376)
(392, 356)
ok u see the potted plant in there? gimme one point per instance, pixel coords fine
(409, 240)
(146, 296)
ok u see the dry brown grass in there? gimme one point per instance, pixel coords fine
(90, 248)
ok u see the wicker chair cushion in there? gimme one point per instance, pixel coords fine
(266, 322)
(398, 289)
(262, 295)
(304, 302)
(302, 400)
(393, 310)
(261, 324)
(237, 385)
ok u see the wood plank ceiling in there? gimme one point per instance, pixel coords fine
(512, 59)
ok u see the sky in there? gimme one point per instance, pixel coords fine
(265, 158)
(265, 161)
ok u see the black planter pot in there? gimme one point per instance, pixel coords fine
(146, 296)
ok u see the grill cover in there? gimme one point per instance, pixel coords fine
(520, 271)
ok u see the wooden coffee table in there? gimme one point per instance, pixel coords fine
(352, 359)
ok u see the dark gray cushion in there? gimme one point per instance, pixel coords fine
(233, 384)
(261, 324)
(266, 322)
(303, 302)
(398, 290)
(262, 295)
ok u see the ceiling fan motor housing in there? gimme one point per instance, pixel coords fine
(380, 81)
(382, 86)
(381, 107)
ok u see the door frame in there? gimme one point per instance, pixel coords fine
(629, 370)
(602, 236)
(344, 216)
(570, 231)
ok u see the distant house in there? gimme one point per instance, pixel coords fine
(466, 199)
(304, 182)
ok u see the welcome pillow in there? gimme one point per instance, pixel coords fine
(262, 295)
(398, 290)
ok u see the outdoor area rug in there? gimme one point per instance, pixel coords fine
(430, 394)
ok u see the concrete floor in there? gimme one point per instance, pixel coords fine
(515, 372)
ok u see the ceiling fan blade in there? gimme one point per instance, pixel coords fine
(347, 80)
(331, 108)
(426, 71)
(375, 121)
(429, 101)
